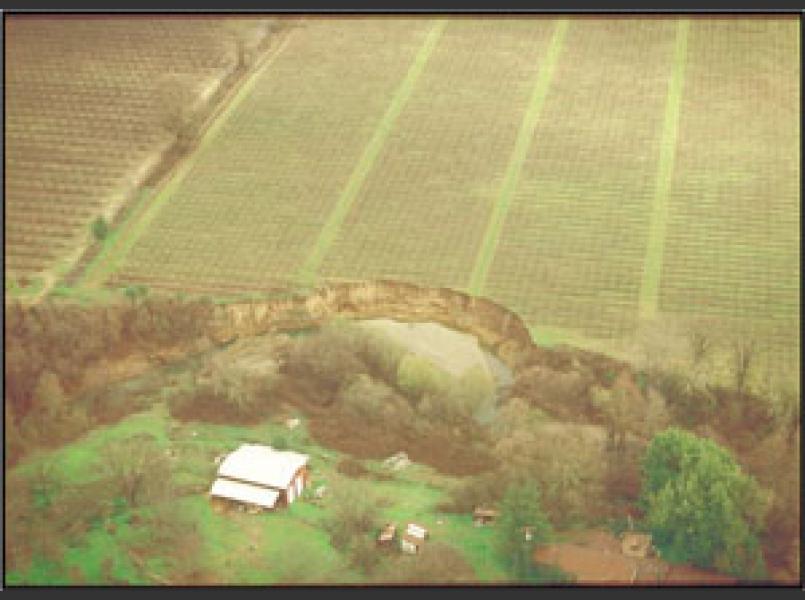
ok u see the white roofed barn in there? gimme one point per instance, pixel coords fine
(260, 477)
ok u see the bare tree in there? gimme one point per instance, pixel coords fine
(138, 468)
(744, 355)
(177, 96)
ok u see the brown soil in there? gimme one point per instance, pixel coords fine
(595, 557)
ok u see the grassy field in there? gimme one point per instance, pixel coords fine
(592, 174)
(266, 546)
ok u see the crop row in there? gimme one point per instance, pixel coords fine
(256, 199)
(83, 114)
(572, 249)
(424, 207)
(732, 247)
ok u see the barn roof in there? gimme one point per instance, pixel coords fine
(244, 492)
(262, 465)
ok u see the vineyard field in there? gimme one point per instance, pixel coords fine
(594, 174)
(84, 119)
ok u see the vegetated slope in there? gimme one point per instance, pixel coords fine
(124, 497)
(87, 105)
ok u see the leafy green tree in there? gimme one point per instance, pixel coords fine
(521, 527)
(700, 506)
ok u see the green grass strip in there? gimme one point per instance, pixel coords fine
(119, 243)
(652, 267)
(524, 137)
(308, 272)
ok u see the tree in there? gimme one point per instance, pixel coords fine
(177, 95)
(744, 354)
(522, 526)
(327, 358)
(374, 404)
(242, 35)
(700, 506)
(353, 518)
(138, 470)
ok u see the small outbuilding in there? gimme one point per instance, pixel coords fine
(258, 478)
(414, 538)
(484, 516)
(636, 545)
(387, 535)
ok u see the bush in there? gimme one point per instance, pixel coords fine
(437, 563)
(690, 405)
(481, 490)
(100, 229)
(417, 376)
(374, 404)
(380, 353)
(327, 358)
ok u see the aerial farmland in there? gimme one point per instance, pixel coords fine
(609, 204)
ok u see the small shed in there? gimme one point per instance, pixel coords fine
(635, 544)
(413, 539)
(484, 516)
(387, 535)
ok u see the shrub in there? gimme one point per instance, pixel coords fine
(327, 358)
(381, 354)
(417, 376)
(436, 563)
(100, 229)
(481, 490)
(374, 404)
